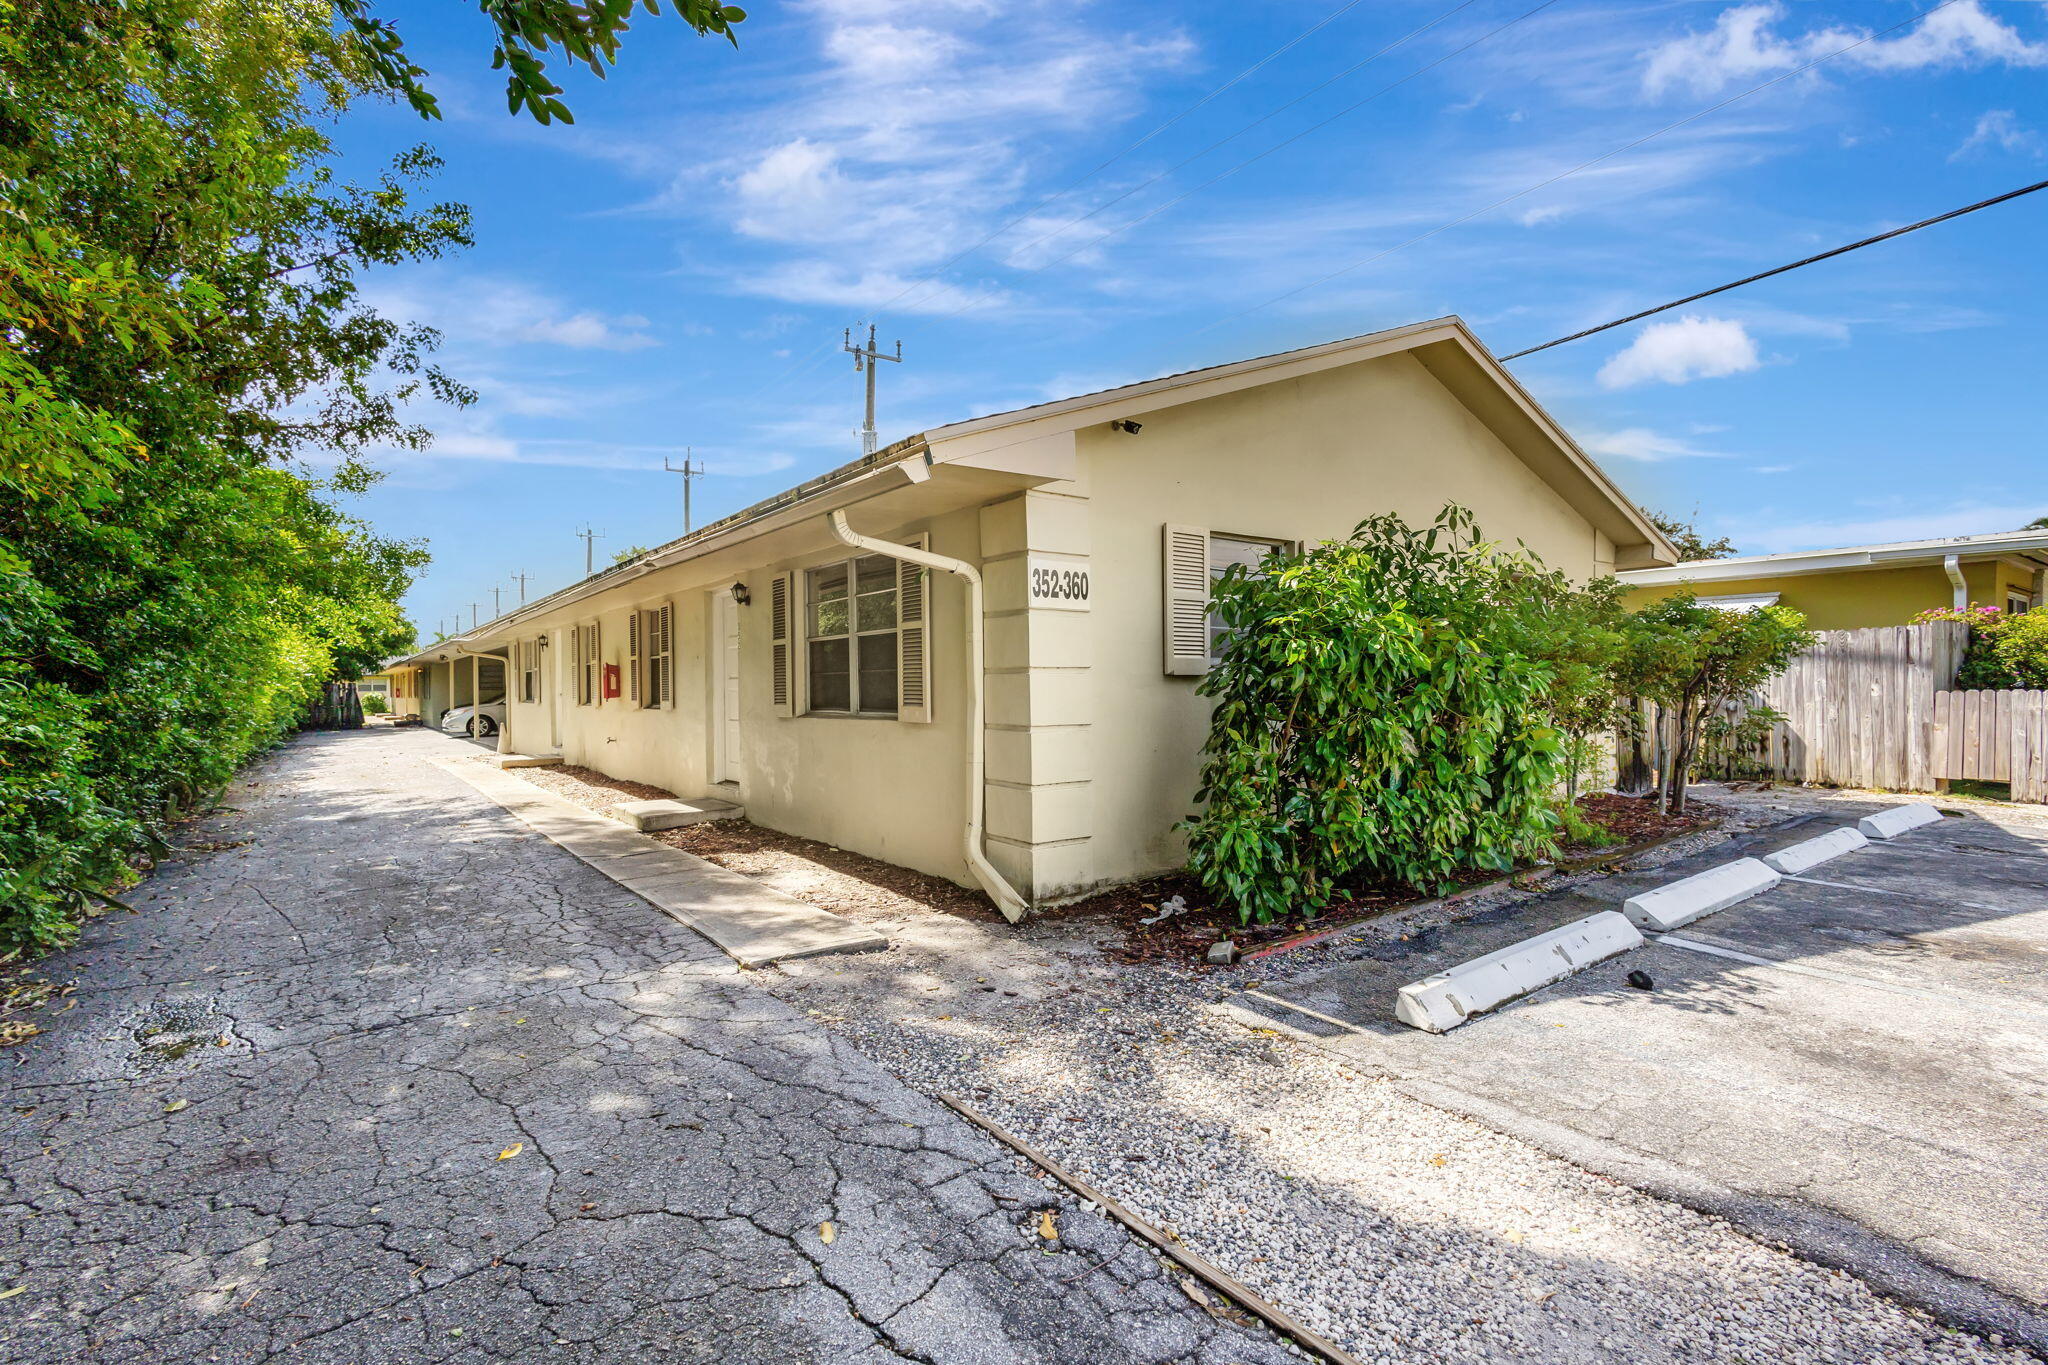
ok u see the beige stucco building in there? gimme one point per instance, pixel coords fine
(818, 658)
(1860, 586)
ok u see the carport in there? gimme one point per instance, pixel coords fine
(1854, 1062)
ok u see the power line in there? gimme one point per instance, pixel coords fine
(1582, 166)
(1780, 270)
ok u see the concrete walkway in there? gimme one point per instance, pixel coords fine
(390, 1077)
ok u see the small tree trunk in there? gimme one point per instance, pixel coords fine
(1681, 760)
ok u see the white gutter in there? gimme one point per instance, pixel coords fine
(1953, 566)
(1000, 891)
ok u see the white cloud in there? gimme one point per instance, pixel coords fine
(2002, 129)
(480, 310)
(1962, 519)
(914, 135)
(1745, 43)
(847, 286)
(1772, 468)
(1682, 351)
(1641, 443)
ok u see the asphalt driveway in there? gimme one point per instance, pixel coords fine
(379, 1074)
(1855, 1063)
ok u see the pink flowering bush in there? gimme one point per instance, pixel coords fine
(2006, 649)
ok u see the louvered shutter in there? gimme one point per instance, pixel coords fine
(633, 657)
(781, 662)
(1187, 601)
(913, 636)
(668, 659)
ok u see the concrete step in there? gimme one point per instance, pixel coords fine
(525, 760)
(648, 816)
(753, 923)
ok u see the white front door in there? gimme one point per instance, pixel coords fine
(725, 688)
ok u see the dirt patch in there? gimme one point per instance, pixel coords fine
(850, 884)
(863, 888)
(589, 788)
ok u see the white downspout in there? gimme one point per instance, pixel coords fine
(1953, 564)
(1000, 891)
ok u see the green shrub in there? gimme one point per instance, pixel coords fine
(2006, 650)
(179, 272)
(1381, 712)
(374, 704)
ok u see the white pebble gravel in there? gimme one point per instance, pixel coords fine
(1401, 1231)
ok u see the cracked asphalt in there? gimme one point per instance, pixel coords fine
(378, 1074)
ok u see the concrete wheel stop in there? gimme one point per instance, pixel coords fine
(1681, 902)
(1810, 853)
(1890, 824)
(1440, 1002)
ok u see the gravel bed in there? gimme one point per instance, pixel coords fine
(1402, 1231)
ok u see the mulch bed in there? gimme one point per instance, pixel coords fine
(857, 885)
(1636, 822)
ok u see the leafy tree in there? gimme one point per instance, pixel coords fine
(1690, 660)
(1576, 631)
(629, 553)
(1685, 535)
(1381, 711)
(178, 288)
(2037, 524)
(587, 32)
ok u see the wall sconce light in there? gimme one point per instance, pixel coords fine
(740, 594)
(1126, 424)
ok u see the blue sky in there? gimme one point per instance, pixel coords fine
(675, 270)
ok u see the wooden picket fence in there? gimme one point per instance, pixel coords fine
(1874, 708)
(1993, 737)
(1858, 711)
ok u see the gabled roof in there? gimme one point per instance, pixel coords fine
(1898, 554)
(1445, 346)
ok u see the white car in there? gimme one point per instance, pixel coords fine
(479, 722)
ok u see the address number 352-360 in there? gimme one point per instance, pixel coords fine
(1060, 585)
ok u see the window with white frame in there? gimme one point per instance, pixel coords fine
(2017, 601)
(529, 671)
(1195, 557)
(650, 645)
(851, 629)
(583, 657)
(1224, 551)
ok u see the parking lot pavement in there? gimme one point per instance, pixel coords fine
(376, 1075)
(1855, 1063)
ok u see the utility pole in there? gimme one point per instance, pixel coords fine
(864, 358)
(589, 538)
(472, 616)
(521, 577)
(689, 472)
(497, 602)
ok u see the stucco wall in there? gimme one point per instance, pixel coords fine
(1858, 599)
(1304, 460)
(1094, 752)
(891, 789)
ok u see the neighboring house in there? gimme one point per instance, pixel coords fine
(815, 657)
(441, 677)
(1865, 585)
